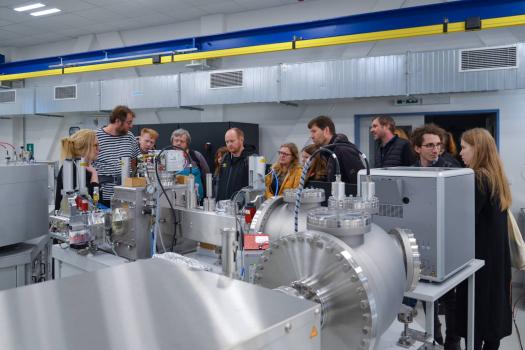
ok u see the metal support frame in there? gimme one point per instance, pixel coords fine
(430, 293)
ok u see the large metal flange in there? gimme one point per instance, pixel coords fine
(412, 258)
(308, 195)
(339, 222)
(355, 203)
(263, 213)
(320, 267)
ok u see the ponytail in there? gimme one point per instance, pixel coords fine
(68, 148)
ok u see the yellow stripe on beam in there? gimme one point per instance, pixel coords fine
(228, 52)
(112, 65)
(37, 74)
(165, 59)
(381, 35)
(502, 22)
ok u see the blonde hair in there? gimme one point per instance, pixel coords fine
(152, 133)
(295, 157)
(80, 144)
(488, 166)
(401, 133)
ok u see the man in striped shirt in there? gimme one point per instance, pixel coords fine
(115, 142)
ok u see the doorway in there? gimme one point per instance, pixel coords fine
(455, 122)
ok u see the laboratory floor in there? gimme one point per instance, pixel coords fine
(508, 343)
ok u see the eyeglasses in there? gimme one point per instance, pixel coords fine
(432, 145)
(284, 154)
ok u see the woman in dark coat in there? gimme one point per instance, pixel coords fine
(493, 315)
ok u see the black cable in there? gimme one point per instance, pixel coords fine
(157, 159)
(332, 154)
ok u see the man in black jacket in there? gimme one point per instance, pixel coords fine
(322, 132)
(233, 173)
(428, 141)
(391, 150)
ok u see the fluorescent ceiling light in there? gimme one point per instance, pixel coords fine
(29, 7)
(45, 12)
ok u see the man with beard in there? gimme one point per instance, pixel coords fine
(233, 173)
(115, 142)
(322, 133)
(391, 150)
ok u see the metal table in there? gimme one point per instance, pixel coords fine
(429, 292)
(67, 262)
(153, 304)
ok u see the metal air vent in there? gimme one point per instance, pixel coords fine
(226, 79)
(503, 57)
(68, 92)
(7, 96)
(390, 210)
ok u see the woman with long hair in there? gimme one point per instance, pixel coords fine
(449, 150)
(219, 155)
(285, 173)
(82, 144)
(318, 166)
(493, 316)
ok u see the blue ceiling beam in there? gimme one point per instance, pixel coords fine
(457, 11)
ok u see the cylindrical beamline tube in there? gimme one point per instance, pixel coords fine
(81, 176)
(124, 169)
(67, 176)
(228, 251)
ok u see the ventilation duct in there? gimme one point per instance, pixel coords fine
(68, 92)
(72, 98)
(226, 79)
(246, 85)
(503, 57)
(7, 96)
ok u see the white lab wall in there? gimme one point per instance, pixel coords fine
(6, 135)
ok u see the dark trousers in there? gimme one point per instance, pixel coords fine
(480, 344)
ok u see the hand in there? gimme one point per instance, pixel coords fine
(93, 172)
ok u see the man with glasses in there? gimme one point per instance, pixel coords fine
(428, 141)
(391, 150)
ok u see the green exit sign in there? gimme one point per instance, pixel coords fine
(30, 147)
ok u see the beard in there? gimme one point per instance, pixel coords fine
(121, 130)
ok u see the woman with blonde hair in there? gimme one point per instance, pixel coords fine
(493, 316)
(82, 144)
(285, 173)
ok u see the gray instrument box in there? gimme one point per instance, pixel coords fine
(24, 190)
(437, 204)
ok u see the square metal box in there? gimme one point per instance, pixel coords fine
(437, 204)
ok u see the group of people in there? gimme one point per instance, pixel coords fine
(429, 146)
